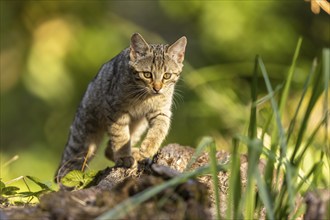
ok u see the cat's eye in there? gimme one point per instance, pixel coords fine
(167, 75)
(147, 75)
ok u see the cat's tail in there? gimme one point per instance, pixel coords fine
(66, 166)
(75, 157)
(84, 137)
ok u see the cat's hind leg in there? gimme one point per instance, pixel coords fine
(77, 153)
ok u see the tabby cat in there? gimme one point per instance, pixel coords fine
(131, 93)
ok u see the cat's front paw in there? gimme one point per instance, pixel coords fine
(147, 150)
(125, 162)
(144, 154)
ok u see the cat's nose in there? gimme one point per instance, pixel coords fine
(157, 87)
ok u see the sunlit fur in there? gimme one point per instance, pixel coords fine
(131, 93)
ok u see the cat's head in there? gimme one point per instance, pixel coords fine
(157, 67)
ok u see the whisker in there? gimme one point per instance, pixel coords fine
(177, 98)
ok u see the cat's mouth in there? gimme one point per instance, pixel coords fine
(156, 92)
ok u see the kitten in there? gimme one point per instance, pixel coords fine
(131, 93)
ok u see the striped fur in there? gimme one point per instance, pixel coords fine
(131, 93)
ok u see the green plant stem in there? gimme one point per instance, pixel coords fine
(215, 180)
(234, 209)
(288, 81)
(307, 82)
(326, 74)
(316, 92)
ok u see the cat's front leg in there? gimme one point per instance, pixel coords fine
(119, 145)
(159, 124)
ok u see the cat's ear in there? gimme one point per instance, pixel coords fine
(139, 47)
(176, 50)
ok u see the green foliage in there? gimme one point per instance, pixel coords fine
(14, 195)
(281, 184)
(50, 50)
(78, 179)
(59, 47)
(275, 188)
(7, 190)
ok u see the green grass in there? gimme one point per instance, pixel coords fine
(282, 182)
(285, 177)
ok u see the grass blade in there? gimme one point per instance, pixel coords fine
(316, 92)
(288, 81)
(326, 73)
(264, 195)
(214, 173)
(274, 107)
(310, 140)
(305, 88)
(253, 112)
(39, 183)
(235, 189)
(205, 142)
(267, 97)
(279, 132)
(312, 171)
(254, 152)
(282, 143)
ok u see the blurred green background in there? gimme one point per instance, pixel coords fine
(50, 50)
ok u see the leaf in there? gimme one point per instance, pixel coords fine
(19, 203)
(2, 185)
(74, 178)
(88, 177)
(78, 179)
(89, 174)
(30, 194)
(9, 190)
(39, 183)
(26, 194)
